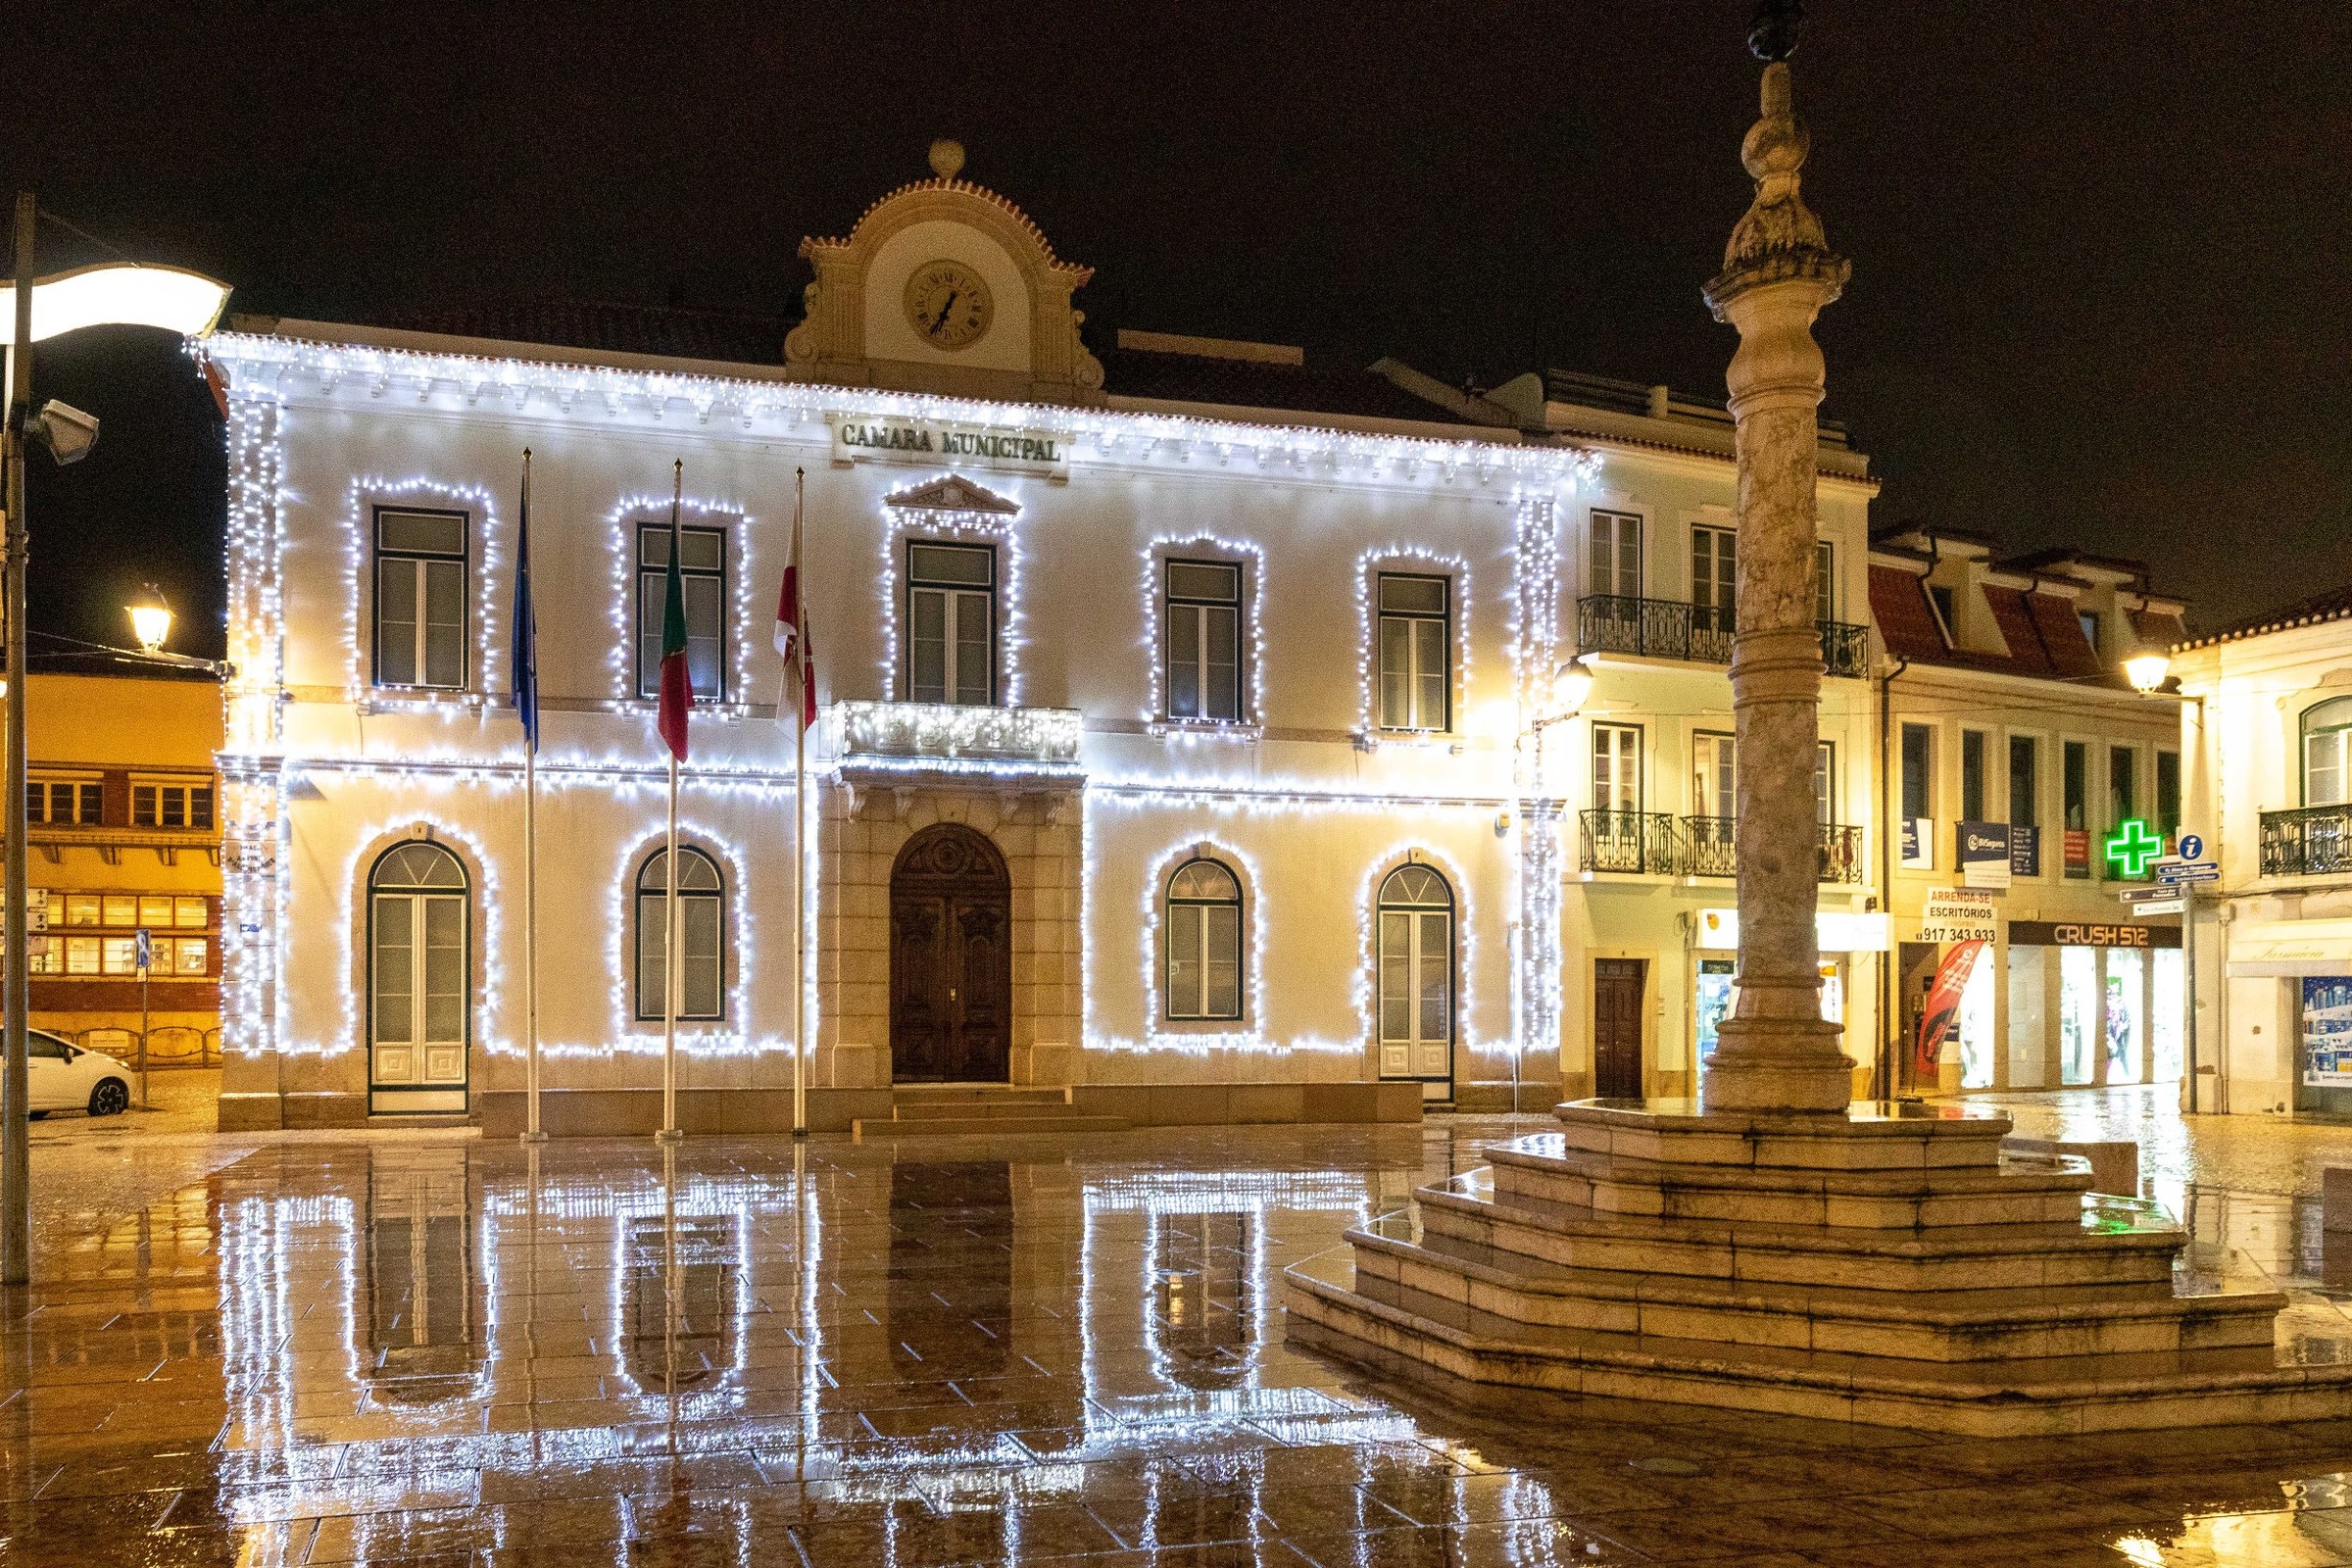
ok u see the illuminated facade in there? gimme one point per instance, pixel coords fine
(1178, 743)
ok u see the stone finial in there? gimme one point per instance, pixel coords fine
(1779, 237)
(947, 158)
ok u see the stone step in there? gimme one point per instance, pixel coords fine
(977, 1094)
(1868, 1136)
(1002, 1124)
(2044, 1395)
(1969, 1325)
(925, 1109)
(2117, 1241)
(1544, 1168)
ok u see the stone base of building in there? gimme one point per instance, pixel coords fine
(626, 1112)
(1888, 1265)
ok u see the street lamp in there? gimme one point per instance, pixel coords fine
(150, 619)
(1571, 686)
(2146, 672)
(35, 309)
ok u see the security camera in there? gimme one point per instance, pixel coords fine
(66, 431)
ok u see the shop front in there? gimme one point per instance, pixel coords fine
(2294, 976)
(1847, 939)
(2089, 1004)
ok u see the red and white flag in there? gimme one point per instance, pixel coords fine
(792, 624)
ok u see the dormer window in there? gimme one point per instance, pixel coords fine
(2088, 620)
(1947, 613)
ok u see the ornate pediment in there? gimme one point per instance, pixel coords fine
(955, 493)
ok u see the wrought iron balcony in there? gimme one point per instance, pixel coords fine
(1668, 628)
(1630, 841)
(1708, 845)
(2312, 841)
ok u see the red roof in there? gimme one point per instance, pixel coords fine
(1898, 603)
(2043, 638)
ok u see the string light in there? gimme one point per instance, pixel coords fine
(486, 659)
(1158, 714)
(1368, 570)
(738, 529)
(921, 524)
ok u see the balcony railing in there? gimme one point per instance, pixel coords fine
(1700, 846)
(1629, 841)
(2313, 841)
(1014, 740)
(1668, 628)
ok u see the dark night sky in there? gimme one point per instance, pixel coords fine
(2099, 296)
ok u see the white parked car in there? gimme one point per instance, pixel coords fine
(63, 1076)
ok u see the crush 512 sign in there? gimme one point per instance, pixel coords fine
(943, 441)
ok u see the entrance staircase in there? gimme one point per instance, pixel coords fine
(1889, 1266)
(936, 1110)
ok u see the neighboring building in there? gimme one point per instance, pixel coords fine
(122, 817)
(2014, 748)
(2267, 716)
(1645, 772)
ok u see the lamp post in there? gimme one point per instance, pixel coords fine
(121, 294)
(2148, 672)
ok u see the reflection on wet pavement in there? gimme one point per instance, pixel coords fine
(1034, 1350)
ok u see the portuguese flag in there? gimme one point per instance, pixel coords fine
(678, 687)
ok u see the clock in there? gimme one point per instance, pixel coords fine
(948, 305)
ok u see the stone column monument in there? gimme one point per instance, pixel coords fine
(1777, 1052)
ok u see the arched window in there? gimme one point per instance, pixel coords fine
(2328, 753)
(1416, 974)
(419, 979)
(1204, 934)
(702, 964)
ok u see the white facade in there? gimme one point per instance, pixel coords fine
(1397, 906)
(2266, 712)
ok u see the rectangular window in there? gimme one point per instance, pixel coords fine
(951, 624)
(2324, 773)
(1714, 576)
(155, 910)
(1714, 774)
(192, 955)
(1616, 768)
(66, 803)
(1825, 783)
(81, 956)
(1203, 614)
(1919, 760)
(177, 806)
(1416, 650)
(191, 913)
(2122, 784)
(120, 909)
(421, 570)
(82, 909)
(2167, 795)
(2088, 620)
(1974, 765)
(2025, 781)
(1613, 555)
(703, 584)
(120, 956)
(1825, 581)
(2074, 772)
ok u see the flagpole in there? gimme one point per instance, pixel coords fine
(670, 917)
(531, 1133)
(799, 825)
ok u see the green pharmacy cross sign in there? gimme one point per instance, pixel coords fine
(2131, 847)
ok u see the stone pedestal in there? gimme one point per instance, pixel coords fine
(1884, 1265)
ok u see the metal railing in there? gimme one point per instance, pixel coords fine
(1700, 846)
(1629, 841)
(1669, 628)
(2311, 841)
(169, 1044)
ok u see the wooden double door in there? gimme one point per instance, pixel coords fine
(951, 959)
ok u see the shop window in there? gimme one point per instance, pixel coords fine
(703, 585)
(701, 960)
(1977, 1037)
(2126, 978)
(2078, 1014)
(1712, 999)
(191, 913)
(421, 572)
(1202, 926)
(1202, 616)
(1416, 651)
(2164, 1015)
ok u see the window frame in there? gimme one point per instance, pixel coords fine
(1198, 908)
(911, 584)
(1713, 743)
(1171, 602)
(1723, 607)
(1414, 675)
(1619, 519)
(1824, 586)
(158, 790)
(648, 681)
(81, 790)
(2073, 801)
(2305, 729)
(1640, 758)
(371, 890)
(2167, 826)
(1904, 730)
(640, 895)
(417, 559)
(1976, 757)
(1383, 906)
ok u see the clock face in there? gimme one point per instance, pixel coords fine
(948, 305)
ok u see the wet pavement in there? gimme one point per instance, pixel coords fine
(433, 1349)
